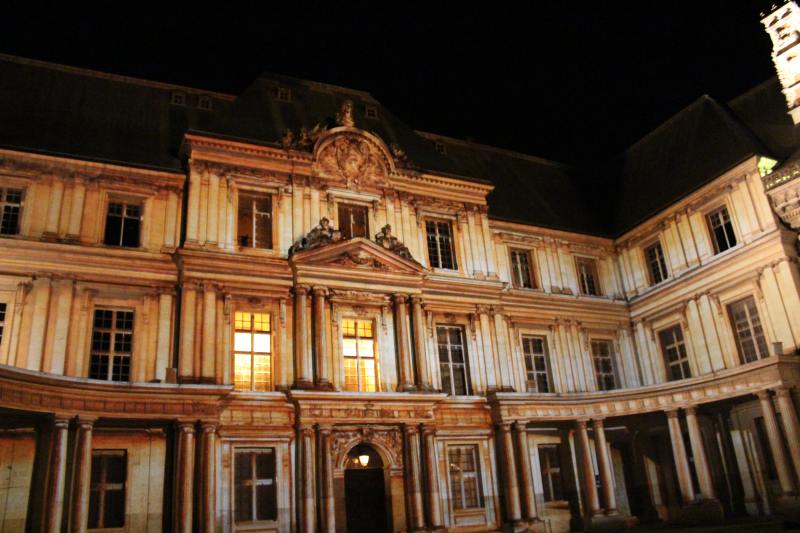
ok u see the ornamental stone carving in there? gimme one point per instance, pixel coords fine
(391, 243)
(387, 440)
(322, 234)
(360, 260)
(354, 158)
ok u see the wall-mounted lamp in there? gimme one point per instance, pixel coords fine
(363, 460)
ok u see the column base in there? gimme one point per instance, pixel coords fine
(701, 512)
(407, 387)
(303, 384)
(606, 523)
(518, 527)
(788, 507)
(324, 386)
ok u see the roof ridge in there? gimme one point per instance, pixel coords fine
(107, 76)
(697, 101)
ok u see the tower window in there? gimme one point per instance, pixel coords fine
(205, 103)
(440, 148)
(284, 94)
(371, 111)
(177, 98)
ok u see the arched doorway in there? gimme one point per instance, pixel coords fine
(365, 491)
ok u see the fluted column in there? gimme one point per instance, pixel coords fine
(307, 488)
(704, 479)
(510, 474)
(413, 474)
(589, 486)
(679, 456)
(420, 344)
(184, 484)
(79, 514)
(303, 378)
(328, 509)
(790, 425)
(54, 498)
(776, 443)
(432, 478)
(524, 465)
(405, 379)
(321, 340)
(605, 467)
(208, 441)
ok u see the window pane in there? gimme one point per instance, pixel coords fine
(349, 347)
(261, 343)
(242, 342)
(114, 515)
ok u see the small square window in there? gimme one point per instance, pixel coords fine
(440, 148)
(283, 94)
(205, 103)
(371, 111)
(177, 98)
(719, 222)
(123, 224)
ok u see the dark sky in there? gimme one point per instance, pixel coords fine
(564, 80)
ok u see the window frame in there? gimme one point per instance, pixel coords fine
(108, 453)
(111, 352)
(533, 386)
(4, 203)
(579, 259)
(358, 205)
(358, 358)
(477, 475)
(532, 270)
(751, 329)
(454, 249)
(660, 261)
(451, 390)
(546, 473)
(271, 354)
(125, 200)
(255, 450)
(680, 361)
(709, 225)
(612, 356)
(274, 232)
(5, 321)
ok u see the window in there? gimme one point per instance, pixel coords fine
(537, 367)
(358, 343)
(284, 94)
(587, 275)
(440, 148)
(205, 103)
(603, 357)
(719, 222)
(656, 264)
(440, 244)
(452, 360)
(123, 221)
(748, 331)
(353, 221)
(521, 271)
(10, 205)
(2, 321)
(371, 111)
(112, 345)
(465, 486)
(107, 489)
(252, 352)
(177, 98)
(254, 480)
(550, 467)
(674, 350)
(766, 449)
(255, 220)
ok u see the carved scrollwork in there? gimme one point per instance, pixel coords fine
(360, 260)
(387, 440)
(391, 243)
(354, 158)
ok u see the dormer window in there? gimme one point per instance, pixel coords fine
(205, 103)
(284, 94)
(440, 149)
(178, 98)
(371, 112)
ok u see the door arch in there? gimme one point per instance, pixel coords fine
(366, 491)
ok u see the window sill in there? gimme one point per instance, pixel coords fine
(246, 250)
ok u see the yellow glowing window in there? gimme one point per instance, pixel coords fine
(252, 349)
(358, 347)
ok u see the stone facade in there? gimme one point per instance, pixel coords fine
(499, 375)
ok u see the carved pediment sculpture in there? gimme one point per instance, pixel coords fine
(391, 243)
(360, 259)
(322, 234)
(354, 157)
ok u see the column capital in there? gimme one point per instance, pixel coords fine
(505, 427)
(186, 426)
(209, 427)
(399, 298)
(521, 426)
(325, 429)
(691, 410)
(672, 413)
(582, 423)
(306, 431)
(410, 429)
(763, 394)
(300, 289)
(598, 423)
(783, 392)
(85, 422)
(429, 430)
(416, 299)
(320, 291)
(61, 420)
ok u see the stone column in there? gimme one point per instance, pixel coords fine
(307, 487)
(328, 509)
(302, 360)
(164, 339)
(704, 479)
(524, 465)
(54, 497)
(790, 425)
(605, 466)
(776, 443)
(184, 482)
(208, 450)
(405, 380)
(589, 486)
(79, 514)
(321, 340)
(420, 344)
(414, 479)
(510, 474)
(432, 478)
(679, 456)
(209, 339)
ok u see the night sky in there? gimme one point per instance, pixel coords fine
(565, 80)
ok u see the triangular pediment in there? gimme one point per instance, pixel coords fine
(356, 254)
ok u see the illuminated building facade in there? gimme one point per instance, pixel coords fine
(278, 310)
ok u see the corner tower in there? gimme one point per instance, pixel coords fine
(783, 26)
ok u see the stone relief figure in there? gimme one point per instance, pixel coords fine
(391, 243)
(322, 234)
(345, 116)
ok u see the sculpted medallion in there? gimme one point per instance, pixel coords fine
(354, 159)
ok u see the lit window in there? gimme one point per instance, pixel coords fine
(2, 321)
(254, 479)
(719, 221)
(603, 357)
(252, 351)
(748, 331)
(452, 360)
(550, 468)
(521, 270)
(112, 345)
(465, 485)
(358, 344)
(353, 221)
(674, 349)
(123, 223)
(255, 220)
(10, 208)
(440, 244)
(656, 263)
(537, 367)
(107, 489)
(587, 275)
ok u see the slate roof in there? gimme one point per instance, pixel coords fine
(61, 110)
